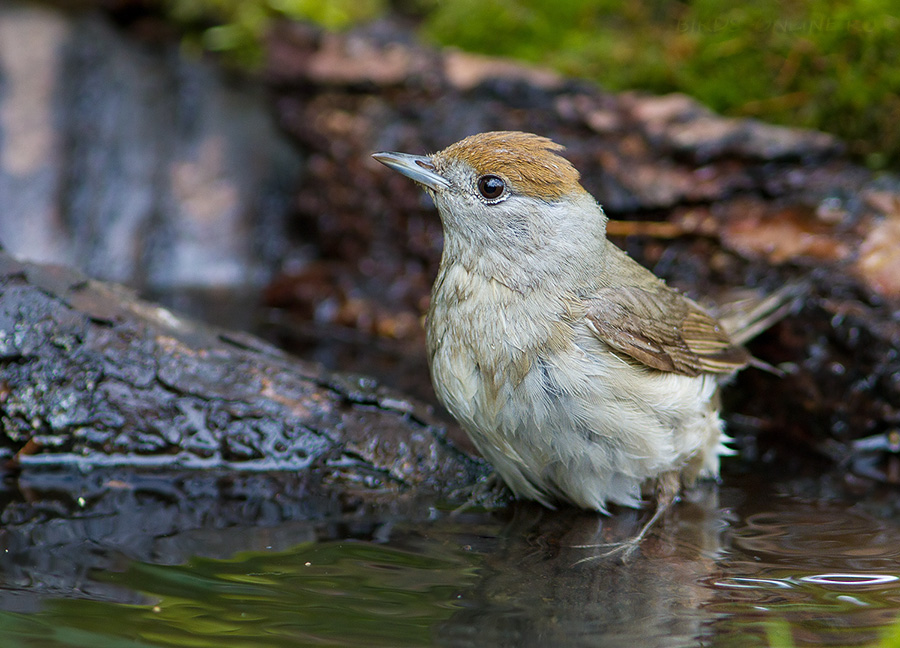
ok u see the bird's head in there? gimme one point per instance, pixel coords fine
(510, 205)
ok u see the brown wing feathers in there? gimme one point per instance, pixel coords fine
(663, 330)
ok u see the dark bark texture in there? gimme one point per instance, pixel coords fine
(90, 374)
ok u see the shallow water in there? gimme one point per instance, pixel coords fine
(194, 561)
(119, 557)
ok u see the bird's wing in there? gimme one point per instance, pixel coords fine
(662, 329)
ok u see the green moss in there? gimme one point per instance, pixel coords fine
(825, 64)
(236, 27)
(814, 63)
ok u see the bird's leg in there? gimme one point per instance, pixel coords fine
(668, 485)
(485, 493)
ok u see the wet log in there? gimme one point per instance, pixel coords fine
(91, 375)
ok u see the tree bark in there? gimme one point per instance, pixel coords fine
(91, 375)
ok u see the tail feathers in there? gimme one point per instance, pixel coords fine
(748, 314)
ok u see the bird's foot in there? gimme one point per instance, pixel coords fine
(625, 548)
(486, 493)
(667, 488)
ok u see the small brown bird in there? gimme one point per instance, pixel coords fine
(577, 373)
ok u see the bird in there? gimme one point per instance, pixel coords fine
(581, 376)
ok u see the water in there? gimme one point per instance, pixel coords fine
(203, 561)
(331, 593)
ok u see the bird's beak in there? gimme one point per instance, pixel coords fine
(415, 167)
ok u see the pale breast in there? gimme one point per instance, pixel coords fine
(556, 412)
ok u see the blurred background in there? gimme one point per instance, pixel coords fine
(823, 64)
(215, 155)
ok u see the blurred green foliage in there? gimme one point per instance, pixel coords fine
(827, 64)
(833, 65)
(237, 27)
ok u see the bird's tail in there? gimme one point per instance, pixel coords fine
(746, 313)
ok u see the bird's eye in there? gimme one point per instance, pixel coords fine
(491, 187)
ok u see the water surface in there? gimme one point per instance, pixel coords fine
(199, 560)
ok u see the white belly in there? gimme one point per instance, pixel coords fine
(558, 415)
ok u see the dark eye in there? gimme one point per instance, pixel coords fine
(490, 186)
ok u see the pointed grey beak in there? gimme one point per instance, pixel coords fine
(415, 167)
